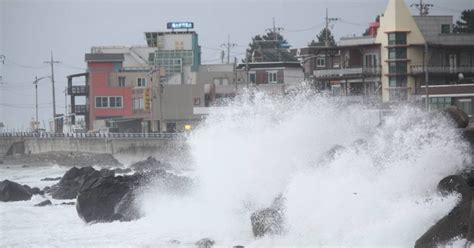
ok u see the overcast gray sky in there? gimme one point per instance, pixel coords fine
(29, 30)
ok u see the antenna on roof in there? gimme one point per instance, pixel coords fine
(424, 8)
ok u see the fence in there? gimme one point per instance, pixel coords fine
(158, 136)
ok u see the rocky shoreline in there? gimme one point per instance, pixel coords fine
(110, 193)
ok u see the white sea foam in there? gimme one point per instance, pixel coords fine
(379, 190)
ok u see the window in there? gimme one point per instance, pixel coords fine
(141, 82)
(221, 81)
(272, 77)
(466, 106)
(445, 28)
(399, 81)
(253, 77)
(397, 38)
(397, 53)
(370, 60)
(101, 102)
(440, 102)
(397, 67)
(320, 62)
(115, 101)
(121, 81)
(138, 104)
(108, 102)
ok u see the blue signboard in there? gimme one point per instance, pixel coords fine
(180, 25)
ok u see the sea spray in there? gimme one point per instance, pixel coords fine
(379, 190)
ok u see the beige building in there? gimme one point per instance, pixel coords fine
(393, 62)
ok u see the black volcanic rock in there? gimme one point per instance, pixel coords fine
(456, 223)
(457, 115)
(43, 203)
(75, 179)
(114, 198)
(268, 220)
(149, 164)
(97, 202)
(205, 243)
(11, 191)
(51, 179)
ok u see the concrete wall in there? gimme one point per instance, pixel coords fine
(165, 149)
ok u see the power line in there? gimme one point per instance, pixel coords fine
(423, 8)
(11, 62)
(228, 45)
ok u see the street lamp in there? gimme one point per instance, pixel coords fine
(36, 94)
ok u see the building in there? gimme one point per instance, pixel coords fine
(391, 63)
(149, 88)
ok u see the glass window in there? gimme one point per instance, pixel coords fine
(121, 81)
(272, 77)
(399, 81)
(397, 67)
(466, 106)
(397, 53)
(112, 102)
(320, 62)
(370, 60)
(101, 102)
(445, 28)
(440, 102)
(253, 77)
(141, 82)
(397, 38)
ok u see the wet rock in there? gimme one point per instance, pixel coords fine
(35, 191)
(25, 166)
(113, 198)
(11, 191)
(174, 242)
(456, 223)
(68, 203)
(150, 164)
(1, 161)
(205, 243)
(268, 220)
(43, 203)
(457, 115)
(75, 179)
(122, 171)
(331, 154)
(127, 208)
(51, 179)
(97, 202)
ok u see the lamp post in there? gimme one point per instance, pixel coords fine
(36, 97)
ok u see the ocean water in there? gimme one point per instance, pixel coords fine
(380, 190)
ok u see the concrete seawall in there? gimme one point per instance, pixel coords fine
(163, 148)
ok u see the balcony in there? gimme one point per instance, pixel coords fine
(78, 90)
(347, 72)
(80, 110)
(418, 69)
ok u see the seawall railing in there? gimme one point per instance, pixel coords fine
(158, 136)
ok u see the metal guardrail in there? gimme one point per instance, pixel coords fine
(341, 72)
(418, 69)
(158, 136)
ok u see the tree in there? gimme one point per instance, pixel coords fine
(466, 24)
(321, 38)
(269, 41)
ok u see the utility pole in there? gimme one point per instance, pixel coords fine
(275, 31)
(228, 45)
(423, 8)
(328, 22)
(36, 94)
(51, 63)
